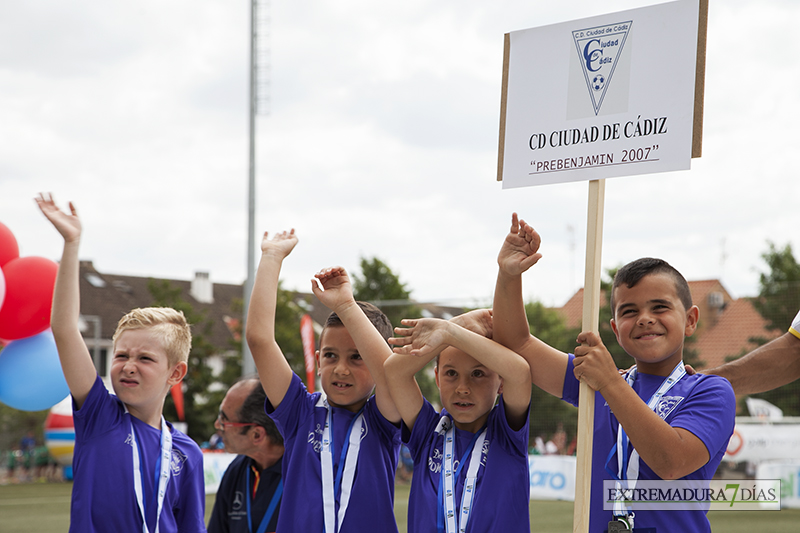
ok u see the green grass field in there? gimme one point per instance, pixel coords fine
(44, 508)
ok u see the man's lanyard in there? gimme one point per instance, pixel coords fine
(627, 473)
(342, 484)
(273, 505)
(161, 471)
(447, 521)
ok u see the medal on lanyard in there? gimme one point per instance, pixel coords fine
(449, 478)
(627, 473)
(342, 484)
(162, 472)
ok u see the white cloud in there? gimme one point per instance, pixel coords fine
(382, 140)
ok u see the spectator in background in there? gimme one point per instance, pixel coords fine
(249, 493)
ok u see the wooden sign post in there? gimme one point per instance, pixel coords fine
(614, 95)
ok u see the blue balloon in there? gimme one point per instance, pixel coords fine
(30, 373)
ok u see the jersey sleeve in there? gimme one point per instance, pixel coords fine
(571, 384)
(293, 409)
(417, 437)
(99, 412)
(190, 515)
(709, 413)
(514, 441)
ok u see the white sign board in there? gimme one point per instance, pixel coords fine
(764, 442)
(612, 95)
(214, 467)
(789, 474)
(552, 477)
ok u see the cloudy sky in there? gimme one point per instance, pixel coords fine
(381, 141)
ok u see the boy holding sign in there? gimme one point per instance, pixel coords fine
(654, 423)
(470, 460)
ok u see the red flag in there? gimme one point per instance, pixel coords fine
(177, 397)
(307, 334)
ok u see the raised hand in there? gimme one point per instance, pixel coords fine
(520, 249)
(423, 336)
(333, 288)
(68, 225)
(478, 321)
(280, 245)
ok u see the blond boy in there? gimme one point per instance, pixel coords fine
(654, 423)
(133, 471)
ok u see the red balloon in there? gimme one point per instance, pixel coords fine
(29, 297)
(9, 249)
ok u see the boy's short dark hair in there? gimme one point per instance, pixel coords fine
(375, 316)
(633, 272)
(252, 411)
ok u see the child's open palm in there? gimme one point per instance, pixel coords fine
(421, 337)
(281, 244)
(520, 249)
(68, 225)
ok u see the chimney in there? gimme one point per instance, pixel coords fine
(202, 289)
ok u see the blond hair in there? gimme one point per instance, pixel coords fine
(167, 323)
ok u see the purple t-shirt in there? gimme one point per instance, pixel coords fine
(502, 490)
(300, 417)
(103, 497)
(704, 405)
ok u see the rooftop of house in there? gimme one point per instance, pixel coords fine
(727, 326)
(111, 296)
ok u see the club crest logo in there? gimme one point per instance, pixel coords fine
(599, 49)
(666, 405)
(177, 461)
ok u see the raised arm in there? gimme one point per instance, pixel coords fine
(519, 252)
(400, 369)
(767, 367)
(76, 362)
(425, 336)
(273, 369)
(336, 293)
(671, 452)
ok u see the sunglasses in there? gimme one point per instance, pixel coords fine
(227, 425)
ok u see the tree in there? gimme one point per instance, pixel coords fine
(778, 301)
(201, 400)
(287, 329)
(377, 284)
(547, 411)
(779, 294)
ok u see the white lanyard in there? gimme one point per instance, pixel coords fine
(163, 478)
(347, 469)
(449, 478)
(627, 477)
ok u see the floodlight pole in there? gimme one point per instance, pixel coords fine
(248, 364)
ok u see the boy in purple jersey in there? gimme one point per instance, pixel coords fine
(470, 460)
(133, 471)
(341, 450)
(656, 422)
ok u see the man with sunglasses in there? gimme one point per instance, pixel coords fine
(249, 493)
